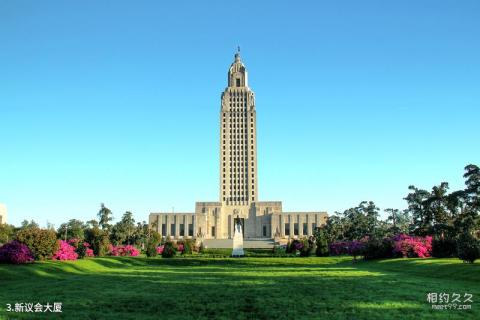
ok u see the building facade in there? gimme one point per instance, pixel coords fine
(238, 193)
(3, 213)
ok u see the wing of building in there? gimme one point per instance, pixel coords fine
(238, 180)
(3, 213)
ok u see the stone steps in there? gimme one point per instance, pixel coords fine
(247, 244)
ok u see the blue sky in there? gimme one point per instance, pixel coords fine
(118, 101)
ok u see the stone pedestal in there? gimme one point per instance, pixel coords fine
(238, 242)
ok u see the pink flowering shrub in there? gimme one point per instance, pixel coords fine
(412, 247)
(65, 252)
(15, 252)
(354, 248)
(123, 251)
(89, 252)
(401, 245)
(180, 247)
(81, 248)
(339, 248)
(160, 249)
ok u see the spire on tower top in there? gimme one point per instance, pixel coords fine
(237, 55)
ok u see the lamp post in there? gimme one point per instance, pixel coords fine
(66, 228)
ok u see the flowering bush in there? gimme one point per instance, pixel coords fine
(15, 252)
(160, 249)
(355, 248)
(89, 252)
(65, 252)
(82, 248)
(127, 250)
(401, 245)
(339, 248)
(412, 247)
(85, 249)
(294, 246)
(169, 250)
(186, 246)
(180, 247)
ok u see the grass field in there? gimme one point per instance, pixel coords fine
(246, 288)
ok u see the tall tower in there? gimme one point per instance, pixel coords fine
(238, 139)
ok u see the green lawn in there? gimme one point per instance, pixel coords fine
(245, 288)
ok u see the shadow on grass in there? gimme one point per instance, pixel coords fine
(285, 288)
(234, 294)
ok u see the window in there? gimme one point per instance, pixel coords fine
(295, 229)
(190, 229)
(305, 229)
(287, 229)
(164, 229)
(253, 198)
(238, 82)
(172, 229)
(213, 231)
(314, 226)
(264, 231)
(182, 230)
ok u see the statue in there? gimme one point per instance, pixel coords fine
(238, 239)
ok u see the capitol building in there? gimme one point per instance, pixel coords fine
(238, 193)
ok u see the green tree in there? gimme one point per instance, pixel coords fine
(74, 230)
(92, 224)
(400, 221)
(41, 242)
(98, 239)
(335, 228)
(153, 242)
(28, 224)
(321, 242)
(421, 217)
(105, 216)
(7, 233)
(123, 232)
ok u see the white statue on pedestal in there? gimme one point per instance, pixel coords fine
(238, 239)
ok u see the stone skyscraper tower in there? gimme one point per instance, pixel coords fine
(238, 139)
(238, 182)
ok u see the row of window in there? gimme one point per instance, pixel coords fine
(234, 143)
(236, 93)
(234, 199)
(239, 181)
(240, 175)
(241, 187)
(237, 140)
(181, 228)
(238, 98)
(241, 135)
(241, 159)
(246, 167)
(295, 228)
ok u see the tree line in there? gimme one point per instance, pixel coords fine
(438, 212)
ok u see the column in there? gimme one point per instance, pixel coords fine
(282, 225)
(177, 225)
(301, 219)
(309, 224)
